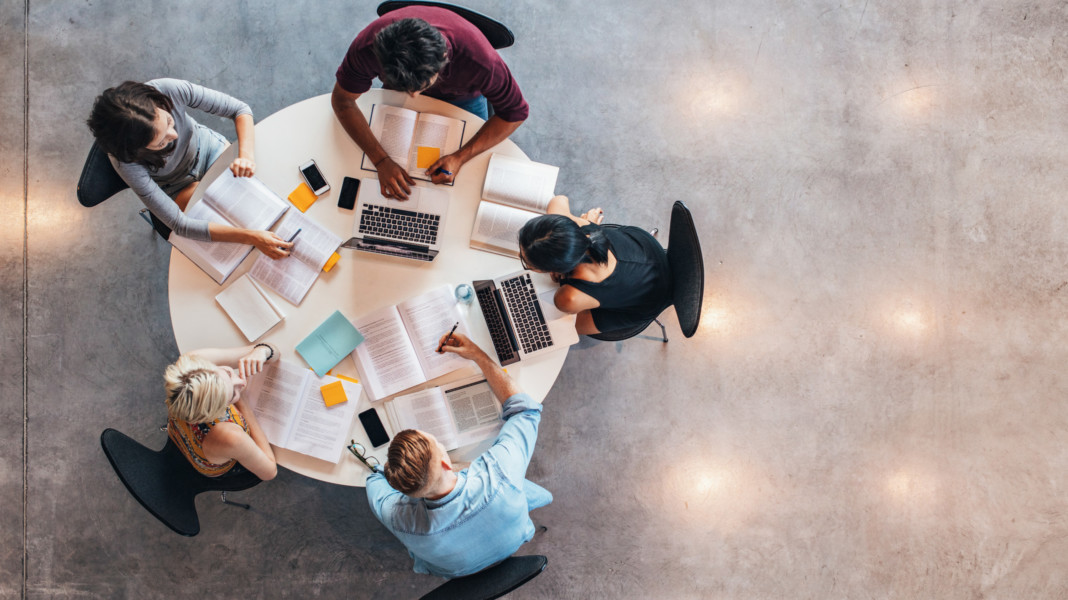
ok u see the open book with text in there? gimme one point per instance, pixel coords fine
(243, 202)
(515, 191)
(457, 414)
(400, 344)
(294, 275)
(286, 400)
(412, 139)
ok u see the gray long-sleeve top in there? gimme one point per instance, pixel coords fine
(142, 179)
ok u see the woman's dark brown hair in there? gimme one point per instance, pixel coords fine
(408, 462)
(123, 122)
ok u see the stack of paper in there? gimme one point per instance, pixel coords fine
(249, 307)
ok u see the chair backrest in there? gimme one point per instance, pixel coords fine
(497, 33)
(687, 269)
(163, 481)
(493, 582)
(98, 181)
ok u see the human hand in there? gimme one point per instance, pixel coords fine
(394, 180)
(270, 244)
(450, 163)
(594, 215)
(462, 345)
(243, 167)
(252, 363)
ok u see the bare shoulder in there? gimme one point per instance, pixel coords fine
(569, 299)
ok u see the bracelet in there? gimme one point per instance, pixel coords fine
(381, 160)
(268, 347)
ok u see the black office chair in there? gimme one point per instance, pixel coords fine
(494, 582)
(687, 279)
(99, 181)
(498, 35)
(164, 482)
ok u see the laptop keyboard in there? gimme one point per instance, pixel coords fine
(496, 325)
(527, 320)
(400, 224)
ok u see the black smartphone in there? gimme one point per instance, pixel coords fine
(376, 433)
(349, 187)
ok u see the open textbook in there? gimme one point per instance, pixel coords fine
(294, 275)
(243, 202)
(515, 191)
(412, 139)
(286, 400)
(401, 341)
(457, 414)
(250, 308)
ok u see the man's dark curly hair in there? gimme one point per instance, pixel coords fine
(411, 52)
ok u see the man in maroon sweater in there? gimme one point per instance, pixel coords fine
(432, 51)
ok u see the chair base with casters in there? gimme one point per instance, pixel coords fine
(494, 582)
(498, 35)
(164, 482)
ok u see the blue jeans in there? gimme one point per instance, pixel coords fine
(477, 105)
(537, 496)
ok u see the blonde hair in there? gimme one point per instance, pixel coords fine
(195, 392)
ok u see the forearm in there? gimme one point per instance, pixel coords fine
(495, 131)
(224, 357)
(246, 136)
(221, 232)
(258, 435)
(503, 386)
(355, 124)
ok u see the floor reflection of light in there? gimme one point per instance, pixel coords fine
(912, 487)
(915, 100)
(715, 318)
(707, 493)
(909, 319)
(721, 93)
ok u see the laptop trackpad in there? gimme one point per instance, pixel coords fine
(548, 307)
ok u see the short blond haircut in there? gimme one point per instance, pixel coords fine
(195, 392)
(407, 467)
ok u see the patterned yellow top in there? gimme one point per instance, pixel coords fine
(189, 437)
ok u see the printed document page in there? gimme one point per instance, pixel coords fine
(386, 359)
(428, 317)
(245, 201)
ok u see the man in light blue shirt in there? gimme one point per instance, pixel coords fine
(455, 523)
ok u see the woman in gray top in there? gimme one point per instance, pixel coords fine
(162, 153)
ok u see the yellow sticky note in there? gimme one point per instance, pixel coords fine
(426, 156)
(330, 262)
(302, 197)
(333, 393)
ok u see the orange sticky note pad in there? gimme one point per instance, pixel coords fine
(330, 262)
(426, 156)
(302, 197)
(333, 393)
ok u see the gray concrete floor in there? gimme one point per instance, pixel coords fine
(873, 407)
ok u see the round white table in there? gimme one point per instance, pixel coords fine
(360, 282)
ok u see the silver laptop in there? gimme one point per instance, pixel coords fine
(412, 228)
(521, 317)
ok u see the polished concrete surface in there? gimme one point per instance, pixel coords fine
(872, 408)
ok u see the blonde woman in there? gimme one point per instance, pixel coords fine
(207, 420)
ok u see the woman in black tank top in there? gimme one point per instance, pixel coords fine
(613, 277)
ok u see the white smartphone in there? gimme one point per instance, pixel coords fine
(314, 178)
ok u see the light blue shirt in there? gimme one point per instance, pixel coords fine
(484, 519)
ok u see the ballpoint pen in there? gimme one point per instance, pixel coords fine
(448, 337)
(440, 171)
(295, 234)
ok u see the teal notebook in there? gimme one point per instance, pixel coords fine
(329, 343)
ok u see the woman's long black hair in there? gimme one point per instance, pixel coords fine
(557, 244)
(123, 122)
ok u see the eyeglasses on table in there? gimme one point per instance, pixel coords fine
(360, 453)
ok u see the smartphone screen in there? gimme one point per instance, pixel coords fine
(376, 433)
(347, 198)
(314, 178)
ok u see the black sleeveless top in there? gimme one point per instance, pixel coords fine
(638, 289)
